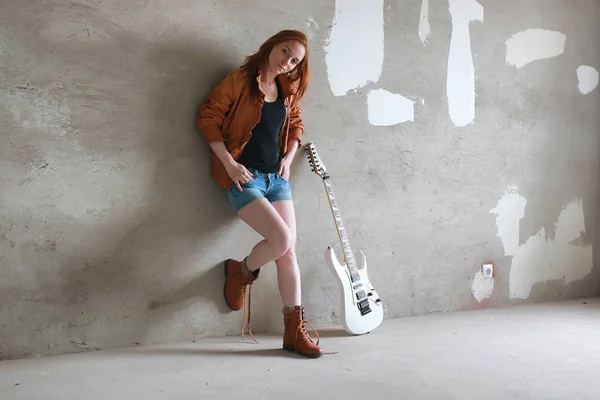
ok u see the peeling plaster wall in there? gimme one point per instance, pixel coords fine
(470, 134)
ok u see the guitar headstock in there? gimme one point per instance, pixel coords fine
(316, 165)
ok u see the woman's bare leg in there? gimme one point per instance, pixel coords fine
(262, 216)
(288, 272)
(295, 336)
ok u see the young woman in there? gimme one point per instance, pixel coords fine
(252, 122)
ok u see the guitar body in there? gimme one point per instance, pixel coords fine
(358, 316)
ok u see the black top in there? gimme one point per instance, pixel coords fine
(262, 150)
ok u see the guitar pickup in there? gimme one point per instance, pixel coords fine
(360, 295)
(355, 277)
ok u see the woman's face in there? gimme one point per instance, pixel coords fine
(286, 56)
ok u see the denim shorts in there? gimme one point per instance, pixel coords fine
(263, 185)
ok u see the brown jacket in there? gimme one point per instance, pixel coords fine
(230, 114)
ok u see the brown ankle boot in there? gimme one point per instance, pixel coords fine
(295, 337)
(237, 279)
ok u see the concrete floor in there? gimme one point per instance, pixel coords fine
(544, 351)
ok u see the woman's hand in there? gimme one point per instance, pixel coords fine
(286, 162)
(238, 173)
(284, 167)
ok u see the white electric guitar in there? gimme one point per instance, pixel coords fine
(362, 309)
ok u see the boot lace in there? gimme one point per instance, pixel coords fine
(302, 330)
(304, 334)
(247, 318)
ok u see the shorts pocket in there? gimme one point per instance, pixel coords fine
(283, 183)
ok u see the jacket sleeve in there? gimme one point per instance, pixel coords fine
(215, 109)
(296, 124)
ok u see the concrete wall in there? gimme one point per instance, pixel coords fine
(112, 231)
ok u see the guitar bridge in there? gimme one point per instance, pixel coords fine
(363, 306)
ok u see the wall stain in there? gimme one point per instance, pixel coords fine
(83, 345)
(154, 305)
(581, 241)
(37, 171)
(49, 245)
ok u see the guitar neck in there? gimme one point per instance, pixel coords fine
(349, 257)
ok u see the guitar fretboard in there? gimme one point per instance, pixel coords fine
(350, 261)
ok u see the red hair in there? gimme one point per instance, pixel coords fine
(300, 74)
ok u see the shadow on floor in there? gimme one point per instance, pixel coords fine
(274, 352)
(333, 332)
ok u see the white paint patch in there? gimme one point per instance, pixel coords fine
(588, 79)
(311, 27)
(540, 260)
(482, 288)
(460, 86)
(531, 45)
(509, 212)
(424, 27)
(354, 52)
(386, 108)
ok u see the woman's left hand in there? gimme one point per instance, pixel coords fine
(284, 168)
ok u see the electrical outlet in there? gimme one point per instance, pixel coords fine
(487, 270)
